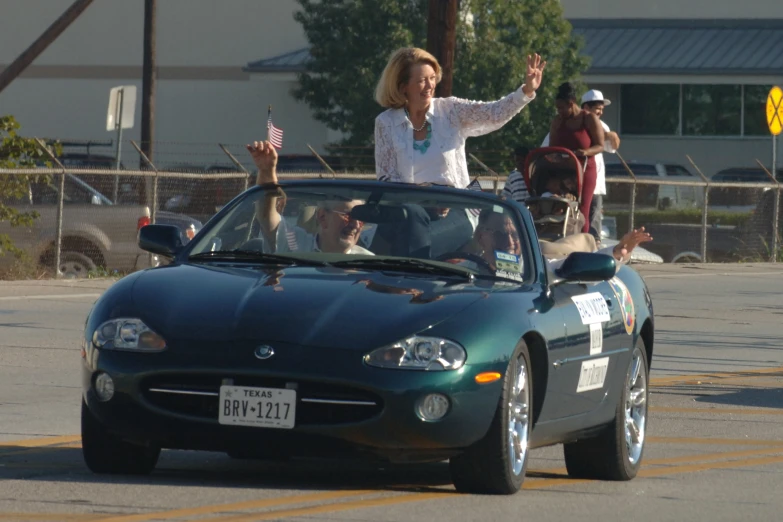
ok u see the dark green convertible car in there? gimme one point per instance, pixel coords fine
(335, 318)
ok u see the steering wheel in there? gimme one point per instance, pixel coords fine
(480, 261)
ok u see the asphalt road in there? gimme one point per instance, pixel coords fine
(714, 453)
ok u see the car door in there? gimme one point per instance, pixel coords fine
(593, 323)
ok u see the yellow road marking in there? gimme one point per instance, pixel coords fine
(712, 456)
(42, 449)
(704, 467)
(331, 508)
(693, 379)
(534, 485)
(723, 411)
(43, 441)
(723, 442)
(696, 464)
(56, 517)
(237, 506)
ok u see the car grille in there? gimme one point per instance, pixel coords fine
(317, 403)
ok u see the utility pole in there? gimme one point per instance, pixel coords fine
(148, 87)
(52, 32)
(149, 79)
(442, 39)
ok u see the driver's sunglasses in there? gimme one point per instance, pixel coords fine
(502, 235)
(346, 217)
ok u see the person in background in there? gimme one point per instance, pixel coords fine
(515, 187)
(580, 132)
(593, 101)
(420, 138)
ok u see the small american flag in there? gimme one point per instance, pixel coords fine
(275, 135)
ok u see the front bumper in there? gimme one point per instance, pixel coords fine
(390, 429)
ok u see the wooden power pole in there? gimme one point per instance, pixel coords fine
(52, 32)
(442, 39)
(149, 80)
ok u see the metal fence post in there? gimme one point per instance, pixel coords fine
(775, 228)
(236, 162)
(704, 223)
(704, 207)
(633, 192)
(58, 241)
(154, 210)
(775, 211)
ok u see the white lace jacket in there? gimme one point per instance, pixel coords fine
(453, 120)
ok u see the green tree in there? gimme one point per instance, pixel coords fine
(17, 152)
(351, 41)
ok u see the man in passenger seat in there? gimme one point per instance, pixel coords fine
(496, 232)
(337, 231)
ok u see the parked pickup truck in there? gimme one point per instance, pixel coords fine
(95, 232)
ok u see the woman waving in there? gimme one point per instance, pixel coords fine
(420, 138)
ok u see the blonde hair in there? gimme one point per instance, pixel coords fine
(397, 72)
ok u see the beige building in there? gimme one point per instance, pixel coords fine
(685, 76)
(680, 83)
(204, 96)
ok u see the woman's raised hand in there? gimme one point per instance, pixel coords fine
(533, 75)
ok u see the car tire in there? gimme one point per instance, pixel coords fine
(104, 452)
(497, 463)
(616, 452)
(75, 265)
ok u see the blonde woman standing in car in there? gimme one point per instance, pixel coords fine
(420, 138)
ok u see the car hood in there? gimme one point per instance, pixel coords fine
(308, 306)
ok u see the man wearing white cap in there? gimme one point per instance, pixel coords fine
(594, 101)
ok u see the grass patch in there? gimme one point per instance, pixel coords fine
(23, 268)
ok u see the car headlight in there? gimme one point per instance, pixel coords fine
(419, 353)
(127, 334)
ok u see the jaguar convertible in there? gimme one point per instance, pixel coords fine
(372, 320)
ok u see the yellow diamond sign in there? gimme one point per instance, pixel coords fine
(775, 111)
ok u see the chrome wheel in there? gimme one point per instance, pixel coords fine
(519, 418)
(636, 407)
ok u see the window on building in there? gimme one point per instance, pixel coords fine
(755, 104)
(693, 110)
(711, 110)
(650, 109)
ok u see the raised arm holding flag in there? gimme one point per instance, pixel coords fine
(273, 134)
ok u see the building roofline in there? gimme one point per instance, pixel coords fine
(675, 23)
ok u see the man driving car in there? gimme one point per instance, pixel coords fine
(336, 230)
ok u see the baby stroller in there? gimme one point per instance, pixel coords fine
(553, 176)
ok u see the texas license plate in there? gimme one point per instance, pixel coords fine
(261, 407)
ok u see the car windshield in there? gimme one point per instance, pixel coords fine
(371, 226)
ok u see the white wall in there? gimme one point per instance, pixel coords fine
(190, 32)
(707, 9)
(203, 97)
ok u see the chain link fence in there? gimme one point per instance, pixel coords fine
(89, 213)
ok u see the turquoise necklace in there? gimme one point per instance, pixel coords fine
(426, 143)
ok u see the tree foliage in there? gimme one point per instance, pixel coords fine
(17, 152)
(351, 41)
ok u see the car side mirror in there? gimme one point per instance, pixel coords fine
(95, 200)
(583, 266)
(164, 240)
